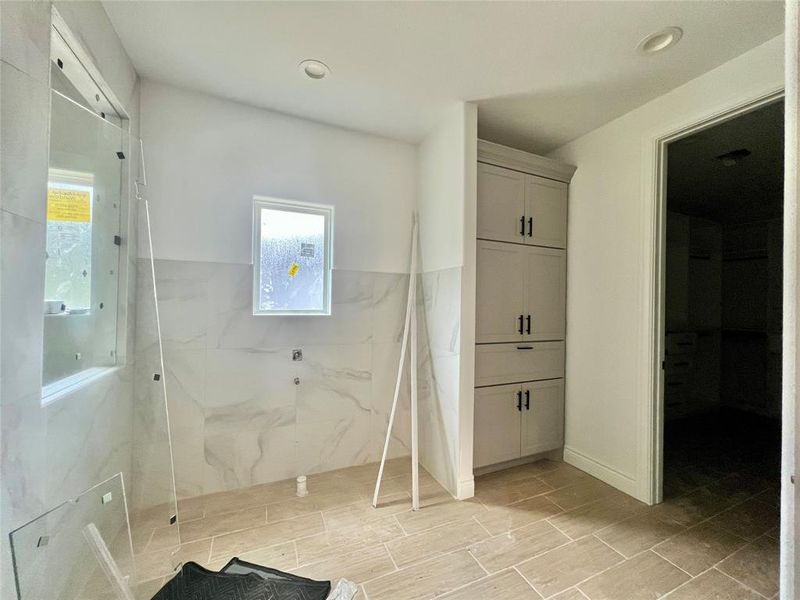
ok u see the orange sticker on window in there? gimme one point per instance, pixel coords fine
(293, 269)
(68, 205)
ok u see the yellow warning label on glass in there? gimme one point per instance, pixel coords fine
(293, 269)
(68, 205)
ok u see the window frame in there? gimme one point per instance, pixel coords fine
(324, 210)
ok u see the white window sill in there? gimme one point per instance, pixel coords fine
(69, 385)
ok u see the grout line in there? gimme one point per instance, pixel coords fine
(525, 579)
(569, 537)
(657, 553)
(489, 533)
(396, 568)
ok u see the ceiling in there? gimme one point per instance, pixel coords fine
(542, 73)
(699, 184)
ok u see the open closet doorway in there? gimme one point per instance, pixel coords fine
(723, 312)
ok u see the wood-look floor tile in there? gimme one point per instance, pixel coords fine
(565, 476)
(217, 524)
(147, 589)
(508, 549)
(508, 585)
(407, 550)
(333, 542)
(748, 520)
(233, 544)
(639, 533)
(357, 566)
(443, 513)
(595, 516)
(151, 565)
(510, 492)
(699, 547)
(426, 579)
(280, 556)
(756, 565)
(560, 569)
(583, 493)
(162, 538)
(524, 471)
(504, 518)
(295, 507)
(692, 508)
(573, 594)
(713, 585)
(643, 577)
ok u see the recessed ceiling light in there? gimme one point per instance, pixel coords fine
(660, 40)
(315, 69)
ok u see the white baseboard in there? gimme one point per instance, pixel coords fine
(465, 489)
(603, 472)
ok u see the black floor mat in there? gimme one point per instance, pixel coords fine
(245, 582)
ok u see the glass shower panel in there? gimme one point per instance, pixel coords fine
(83, 221)
(57, 557)
(155, 530)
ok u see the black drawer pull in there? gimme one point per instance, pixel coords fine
(520, 324)
(524, 347)
(527, 399)
(519, 401)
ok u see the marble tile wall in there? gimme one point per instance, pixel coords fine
(237, 418)
(47, 453)
(439, 310)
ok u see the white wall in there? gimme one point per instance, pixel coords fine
(207, 157)
(54, 452)
(609, 270)
(447, 213)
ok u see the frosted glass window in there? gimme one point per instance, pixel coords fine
(291, 257)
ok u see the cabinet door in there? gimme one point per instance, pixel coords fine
(501, 204)
(497, 422)
(545, 293)
(509, 363)
(545, 212)
(499, 299)
(542, 416)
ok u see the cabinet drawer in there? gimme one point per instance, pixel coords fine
(509, 363)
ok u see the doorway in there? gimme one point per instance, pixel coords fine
(723, 304)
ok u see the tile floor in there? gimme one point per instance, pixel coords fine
(542, 530)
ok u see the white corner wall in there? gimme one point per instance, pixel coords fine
(447, 160)
(607, 389)
(206, 157)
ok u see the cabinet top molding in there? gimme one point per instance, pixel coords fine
(519, 160)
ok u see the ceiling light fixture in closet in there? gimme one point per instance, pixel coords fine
(315, 69)
(660, 40)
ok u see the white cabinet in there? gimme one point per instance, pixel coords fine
(501, 204)
(520, 293)
(542, 416)
(510, 363)
(521, 208)
(545, 293)
(496, 419)
(500, 294)
(520, 304)
(545, 212)
(512, 421)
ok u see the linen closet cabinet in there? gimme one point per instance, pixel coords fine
(520, 304)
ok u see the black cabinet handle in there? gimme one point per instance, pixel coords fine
(519, 401)
(530, 226)
(522, 225)
(520, 325)
(524, 347)
(527, 399)
(528, 327)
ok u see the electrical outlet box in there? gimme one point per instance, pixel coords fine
(107, 497)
